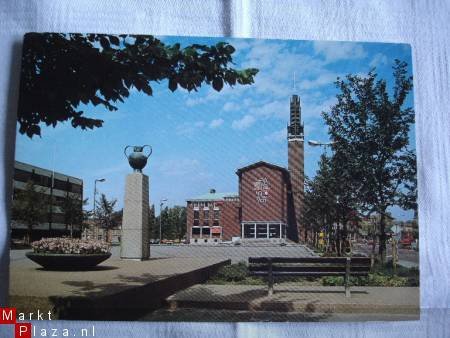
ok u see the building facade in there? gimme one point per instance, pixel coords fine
(212, 218)
(55, 187)
(269, 205)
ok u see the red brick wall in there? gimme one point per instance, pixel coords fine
(275, 206)
(228, 218)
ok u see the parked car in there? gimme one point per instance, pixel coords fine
(406, 242)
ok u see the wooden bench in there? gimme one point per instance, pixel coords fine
(309, 267)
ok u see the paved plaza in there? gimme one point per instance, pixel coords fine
(236, 253)
(115, 289)
(290, 302)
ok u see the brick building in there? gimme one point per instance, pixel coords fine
(269, 204)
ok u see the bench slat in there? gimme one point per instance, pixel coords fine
(310, 268)
(307, 274)
(318, 260)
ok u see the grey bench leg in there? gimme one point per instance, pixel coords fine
(347, 278)
(270, 278)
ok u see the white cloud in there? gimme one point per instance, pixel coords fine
(279, 108)
(321, 80)
(179, 167)
(335, 51)
(188, 129)
(378, 60)
(277, 136)
(230, 106)
(244, 123)
(216, 123)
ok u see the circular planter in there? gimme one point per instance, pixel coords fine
(67, 261)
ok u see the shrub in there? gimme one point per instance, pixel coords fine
(62, 245)
(233, 273)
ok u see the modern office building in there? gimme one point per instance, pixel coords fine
(269, 205)
(55, 187)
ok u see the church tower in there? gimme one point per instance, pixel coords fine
(296, 168)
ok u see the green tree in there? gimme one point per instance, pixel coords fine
(105, 214)
(153, 224)
(30, 207)
(72, 209)
(62, 71)
(371, 128)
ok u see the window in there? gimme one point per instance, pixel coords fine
(205, 222)
(249, 230)
(195, 204)
(215, 223)
(274, 231)
(261, 230)
(205, 214)
(21, 175)
(216, 214)
(196, 214)
(76, 188)
(196, 222)
(206, 231)
(195, 231)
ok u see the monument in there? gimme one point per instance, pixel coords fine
(134, 242)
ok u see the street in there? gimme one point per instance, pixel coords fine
(407, 257)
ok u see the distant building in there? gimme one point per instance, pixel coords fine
(96, 232)
(213, 217)
(53, 184)
(269, 205)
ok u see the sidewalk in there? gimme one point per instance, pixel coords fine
(114, 290)
(371, 303)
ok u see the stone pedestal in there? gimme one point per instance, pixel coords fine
(134, 243)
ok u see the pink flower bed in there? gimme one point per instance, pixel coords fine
(62, 245)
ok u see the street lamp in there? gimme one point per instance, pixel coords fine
(161, 203)
(314, 143)
(95, 191)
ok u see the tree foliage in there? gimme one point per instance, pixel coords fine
(72, 209)
(62, 71)
(173, 222)
(105, 215)
(370, 129)
(30, 207)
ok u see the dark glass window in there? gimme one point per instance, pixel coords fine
(22, 175)
(196, 214)
(195, 231)
(216, 214)
(76, 188)
(61, 185)
(205, 214)
(206, 231)
(249, 230)
(196, 222)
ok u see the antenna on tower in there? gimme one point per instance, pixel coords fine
(294, 83)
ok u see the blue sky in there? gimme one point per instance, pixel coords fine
(199, 139)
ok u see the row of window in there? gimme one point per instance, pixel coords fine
(46, 181)
(216, 214)
(205, 204)
(206, 222)
(204, 231)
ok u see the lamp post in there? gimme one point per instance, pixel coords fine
(161, 203)
(314, 143)
(95, 193)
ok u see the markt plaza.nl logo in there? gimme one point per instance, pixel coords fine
(9, 316)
